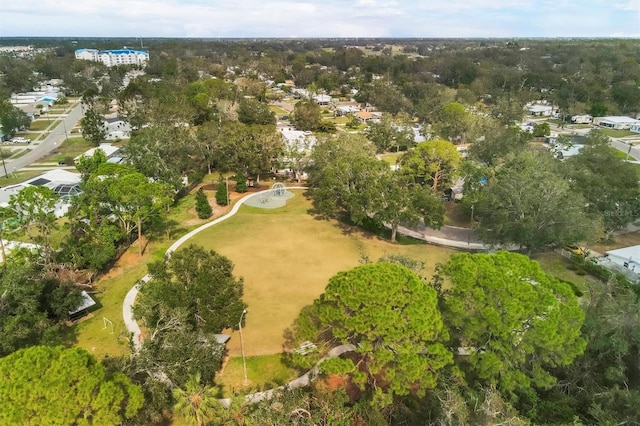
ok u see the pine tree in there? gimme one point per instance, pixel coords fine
(203, 208)
(222, 196)
(241, 182)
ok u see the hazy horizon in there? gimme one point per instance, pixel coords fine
(248, 19)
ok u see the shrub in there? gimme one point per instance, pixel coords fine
(581, 272)
(222, 196)
(203, 208)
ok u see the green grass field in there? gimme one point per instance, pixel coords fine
(71, 147)
(18, 177)
(286, 257)
(263, 372)
(39, 125)
(391, 157)
(615, 133)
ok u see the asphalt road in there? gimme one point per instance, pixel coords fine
(46, 145)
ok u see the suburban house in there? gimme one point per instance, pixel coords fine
(616, 122)
(322, 100)
(62, 182)
(366, 116)
(635, 128)
(627, 257)
(110, 151)
(297, 138)
(117, 128)
(540, 109)
(343, 110)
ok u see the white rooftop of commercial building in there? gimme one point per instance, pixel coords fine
(619, 119)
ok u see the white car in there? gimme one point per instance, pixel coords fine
(20, 140)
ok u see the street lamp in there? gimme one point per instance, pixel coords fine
(244, 361)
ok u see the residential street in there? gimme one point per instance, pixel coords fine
(45, 146)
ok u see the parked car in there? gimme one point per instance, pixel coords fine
(19, 139)
(573, 249)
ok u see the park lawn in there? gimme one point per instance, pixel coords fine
(263, 372)
(391, 157)
(556, 265)
(286, 257)
(112, 288)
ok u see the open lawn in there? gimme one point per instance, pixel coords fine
(90, 332)
(391, 157)
(38, 125)
(618, 241)
(113, 286)
(18, 177)
(556, 265)
(71, 147)
(263, 372)
(279, 111)
(286, 257)
(615, 133)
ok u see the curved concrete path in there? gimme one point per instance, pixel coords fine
(449, 236)
(130, 298)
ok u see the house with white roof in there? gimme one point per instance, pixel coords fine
(627, 257)
(116, 128)
(540, 109)
(109, 150)
(63, 183)
(322, 100)
(616, 122)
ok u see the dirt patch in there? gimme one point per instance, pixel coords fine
(129, 259)
(619, 241)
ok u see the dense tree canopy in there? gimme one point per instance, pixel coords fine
(392, 318)
(77, 389)
(432, 162)
(608, 183)
(516, 322)
(529, 204)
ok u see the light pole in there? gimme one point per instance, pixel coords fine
(244, 361)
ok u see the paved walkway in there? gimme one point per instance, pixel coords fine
(450, 236)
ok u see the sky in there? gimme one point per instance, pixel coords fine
(320, 18)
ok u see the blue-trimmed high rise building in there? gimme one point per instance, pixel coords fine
(112, 58)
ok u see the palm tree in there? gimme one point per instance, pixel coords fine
(197, 403)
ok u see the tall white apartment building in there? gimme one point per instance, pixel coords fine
(113, 58)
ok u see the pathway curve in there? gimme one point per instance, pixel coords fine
(450, 236)
(130, 298)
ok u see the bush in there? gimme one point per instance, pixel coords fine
(203, 208)
(222, 196)
(581, 272)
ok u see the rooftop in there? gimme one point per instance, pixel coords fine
(619, 119)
